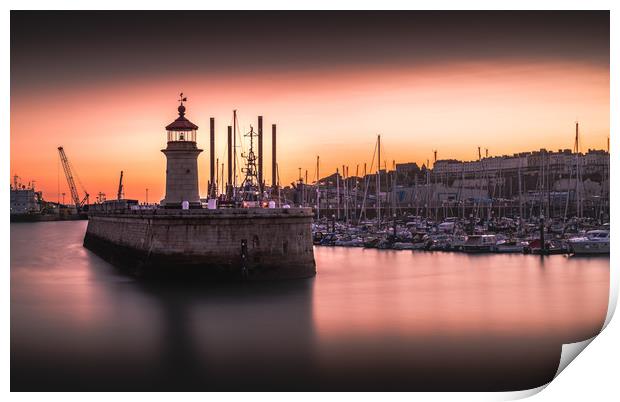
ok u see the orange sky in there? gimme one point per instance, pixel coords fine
(118, 125)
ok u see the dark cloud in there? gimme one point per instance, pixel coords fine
(64, 48)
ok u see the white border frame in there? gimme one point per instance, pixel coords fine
(595, 373)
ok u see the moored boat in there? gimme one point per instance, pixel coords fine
(551, 247)
(480, 244)
(509, 246)
(594, 242)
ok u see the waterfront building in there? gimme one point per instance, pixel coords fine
(562, 183)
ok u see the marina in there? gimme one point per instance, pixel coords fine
(575, 237)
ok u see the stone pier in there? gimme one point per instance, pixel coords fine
(250, 244)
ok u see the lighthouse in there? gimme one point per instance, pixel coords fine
(181, 162)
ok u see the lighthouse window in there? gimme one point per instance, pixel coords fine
(189, 135)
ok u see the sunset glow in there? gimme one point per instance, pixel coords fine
(505, 104)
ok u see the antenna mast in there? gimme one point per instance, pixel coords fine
(249, 189)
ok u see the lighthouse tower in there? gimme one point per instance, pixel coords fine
(182, 162)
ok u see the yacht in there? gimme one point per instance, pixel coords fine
(480, 244)
(594, 242)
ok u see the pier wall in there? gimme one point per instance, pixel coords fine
(278, 242)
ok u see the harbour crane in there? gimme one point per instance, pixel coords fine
(120, 188)
(79, 204)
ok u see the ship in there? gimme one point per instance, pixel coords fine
(27, 205)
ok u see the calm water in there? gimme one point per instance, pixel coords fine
(370, 320)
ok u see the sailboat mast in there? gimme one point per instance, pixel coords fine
(577, 172)
(520, 194)
(428, 190)
(318, 191)
(379, 179)
(357, 179)
(394, 204)
(363, 207)
(344, 193)
(337, 194)
(222, 180)
(279, 194)
(461, 189)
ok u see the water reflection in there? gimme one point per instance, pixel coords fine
(453, 321)
(253, 336)
(370, 320)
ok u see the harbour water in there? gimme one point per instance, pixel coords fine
(370, 320)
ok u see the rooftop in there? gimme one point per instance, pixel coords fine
(181, 123)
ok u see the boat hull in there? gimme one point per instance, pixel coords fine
(509, 249)
(589, 248)
(478, 249)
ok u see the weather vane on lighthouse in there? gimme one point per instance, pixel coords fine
(182, 98)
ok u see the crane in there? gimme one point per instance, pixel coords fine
(79, 205)
(120, 188)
